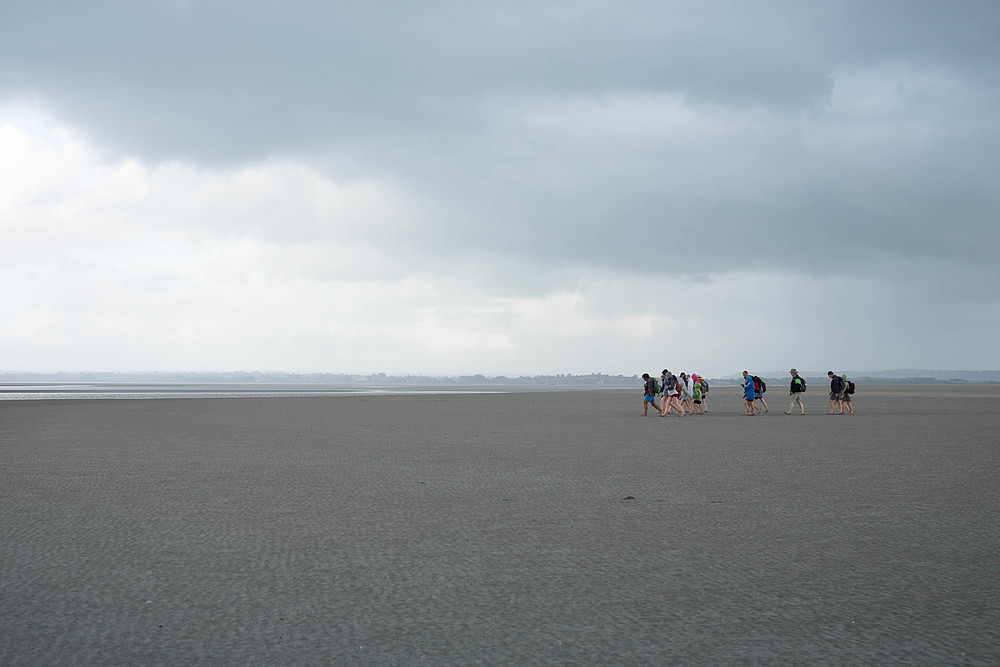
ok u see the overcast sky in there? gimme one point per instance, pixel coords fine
(502, 188)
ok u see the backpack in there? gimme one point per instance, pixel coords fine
(758, 385)
(704, 385)
(656, 386)
(802, 383)
(763, 386)
(850, 387)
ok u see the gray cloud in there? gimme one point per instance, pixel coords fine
(534, 144)
(199, 81)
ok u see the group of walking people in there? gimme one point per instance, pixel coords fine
(688, 394)
(685, 395)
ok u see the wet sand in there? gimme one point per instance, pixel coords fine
(524, 528)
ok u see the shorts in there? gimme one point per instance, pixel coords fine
(835, 396)
(757, 395)
(846, 398)
(796, 397)
(649, 398)
(697, 401)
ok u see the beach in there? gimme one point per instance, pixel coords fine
(552, 527)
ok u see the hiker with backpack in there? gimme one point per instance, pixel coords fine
(704, 394)
(698, 395)
(748, 395)
(759, 387)
(796, 390)
(836, 391)
(687, 395)
(650, 390)
(845, 397)
(671, 394)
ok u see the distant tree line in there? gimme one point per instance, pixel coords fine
(268, 377)
(589, 380)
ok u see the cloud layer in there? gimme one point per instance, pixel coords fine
(499, 188)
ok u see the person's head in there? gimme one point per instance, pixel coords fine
(665, 372)
(745, 374)
(844, 376)
(830, 373)
(793, 372)
(645, 376)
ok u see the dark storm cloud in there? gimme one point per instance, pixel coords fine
(214, 81)
(443, 101)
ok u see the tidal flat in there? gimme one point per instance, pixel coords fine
(556, 527)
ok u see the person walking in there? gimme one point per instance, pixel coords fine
(697, 395)
(845, 397)
(704, 394)
(836, 389)
(649, 395)
(671, 394)
(687, 397)
(759, 387)
(795, 393)
(748, 394)
(663, 390)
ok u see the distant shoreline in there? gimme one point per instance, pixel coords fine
(326, 382)
(108, 391)
(166, 390)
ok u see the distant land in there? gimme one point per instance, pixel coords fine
(899, 376)
(272, 377)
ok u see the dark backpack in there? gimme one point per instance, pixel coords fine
(850, 387)
(802, 383)
(656, 386)
(763, 386)
(704, 385)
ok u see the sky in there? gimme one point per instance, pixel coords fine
(505, 188)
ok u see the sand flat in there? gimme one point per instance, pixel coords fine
(555, 527)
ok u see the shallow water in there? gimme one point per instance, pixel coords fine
(141, 391)
(28, 392)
